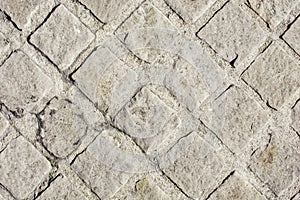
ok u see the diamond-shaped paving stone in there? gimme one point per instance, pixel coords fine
(239, 121)
(21, 10)
(62, 37)
(232, 33)
(104, 164)
(22, 83)
(292, 36)
(107, 10)
(272, 11)
(296, 117)
(22, 168)
(276, 162)
(62, 188)
(147, 117)
(190, 10)
(274, 75)
(235, 188)
(65, 122)
(192, 171)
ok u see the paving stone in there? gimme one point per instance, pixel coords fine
(22, 168)
(3, 124)
(62, 188)
(292, 36)
(272, 11)
(240, 121)
(62, 37)
(190, 10)
(22, 83)
(4, 46)
(65, 122)
(276, 162)
(21, 10)
(236, 188)
(204, 162)
(232, 33)
(107, 10)
(102, 166)
(274, 75)
(296, 117)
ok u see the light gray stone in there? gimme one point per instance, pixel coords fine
(273, 11)
(22, 83)
(274, 75)
(190, 11)
(292, 36)
(232, 33)
(3, 124)
(296, 117)
(104, 168)
(62, 188)
(192, 171)
(235, 188)
(62, 37)
(239, 122)
(66, 120)
(276, 162)
(22, 168)
(4, 46)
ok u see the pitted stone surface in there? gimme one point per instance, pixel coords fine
(272, 11)
(232, 33)
(22, 167)
(62, 30)
(275, 75)
(22, 83)
(292, 36)
(276, 162)
(149, 99)
(235, 188)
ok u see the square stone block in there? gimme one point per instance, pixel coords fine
(232, 33)
(22, 168)
(274, 75)
(22, 83)
(62, 37)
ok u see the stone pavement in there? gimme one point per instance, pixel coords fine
(149, 99)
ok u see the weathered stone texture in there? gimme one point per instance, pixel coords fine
(292, 36)
(22, 167)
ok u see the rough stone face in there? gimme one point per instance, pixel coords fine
(106, 10)
(22, 167)
(62, 188)
(22, 83)
(190, 10)
(296, 117)
(235, 188)
(195, 178)
(276, 162)
(62, 37)
(272, 11)
(148, 117)
(65, 121)
(3, 124)
(274, 75)
(4, 45)
(292, 36)
(240, 120)
(20, 11)
(101, 166)
(232, 33)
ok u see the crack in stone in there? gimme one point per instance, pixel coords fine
(10, 20)
(7, 190)
(90, 11)
(248, 4)
(49, 182)
(174, 11)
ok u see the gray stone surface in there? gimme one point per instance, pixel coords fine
(62, 29)
(274, 75)
(22, 167)
(23, 83)
(292, 36)
(272, 11)
(232, 33)
(149, 99)
(235, 188)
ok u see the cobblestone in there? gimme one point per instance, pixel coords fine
(149, 99)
